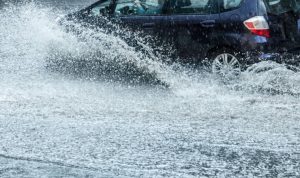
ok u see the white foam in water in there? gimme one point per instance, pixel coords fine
(270, 77)
(54, 125)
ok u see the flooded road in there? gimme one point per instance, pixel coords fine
(55, 124)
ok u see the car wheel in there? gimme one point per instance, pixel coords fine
(226, 65)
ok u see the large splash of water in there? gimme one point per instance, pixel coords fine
(49, 118)
(29, 37)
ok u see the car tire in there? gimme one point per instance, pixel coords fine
(226, 64)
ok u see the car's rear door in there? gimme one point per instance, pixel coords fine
(191, 24)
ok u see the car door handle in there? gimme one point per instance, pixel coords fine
(148, 25)
(208, 23)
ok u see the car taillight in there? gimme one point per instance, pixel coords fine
(258, 26)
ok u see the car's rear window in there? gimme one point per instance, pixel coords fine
(282, 6)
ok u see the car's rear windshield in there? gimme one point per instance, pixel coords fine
(282, 6)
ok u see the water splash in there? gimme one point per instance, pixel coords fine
(26, 32)
(201, 125)
(30, 37)
(270, 78)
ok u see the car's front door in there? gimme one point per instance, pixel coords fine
(191, 25)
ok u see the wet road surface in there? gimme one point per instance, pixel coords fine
(58, 125)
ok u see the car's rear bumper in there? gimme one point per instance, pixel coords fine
(283, 58)
(261, 49)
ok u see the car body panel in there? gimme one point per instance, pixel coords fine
(196, 36)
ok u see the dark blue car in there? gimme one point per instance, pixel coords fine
(229, 33)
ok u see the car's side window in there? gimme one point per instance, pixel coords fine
(139, 7)
(227, 5)
(101, 8)
(192, 7)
